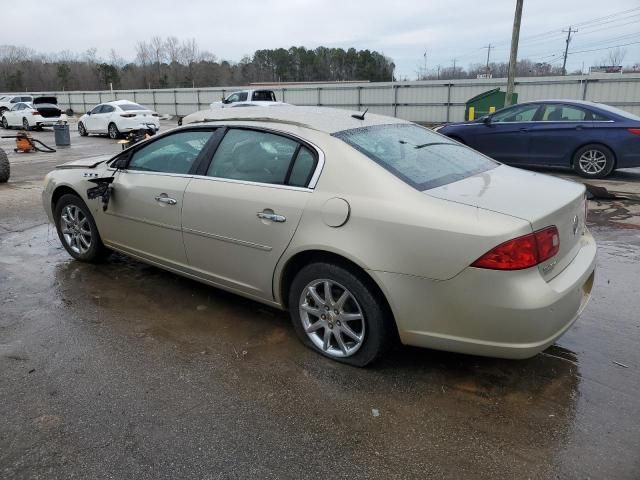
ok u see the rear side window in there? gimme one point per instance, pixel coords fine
(131, 106)
(264, 96)
(416, 155)
(107, 109)
(262, 157)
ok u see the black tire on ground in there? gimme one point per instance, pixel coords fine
(5, 168)
(96, 251)
(594, 161)
(81, 130)
(25, 124)
(114, 133)
(379, 332)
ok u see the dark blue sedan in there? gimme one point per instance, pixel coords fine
(592, 138)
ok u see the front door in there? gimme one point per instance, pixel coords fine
(238, 221)
(144, 213)
(506, 137)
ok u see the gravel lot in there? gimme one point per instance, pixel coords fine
(126, 371)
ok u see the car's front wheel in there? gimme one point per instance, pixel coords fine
(114, 133)
(77, 229)
(82, 130)
(336, 313)
(593, 161)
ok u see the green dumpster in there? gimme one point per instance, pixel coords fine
(485, 103)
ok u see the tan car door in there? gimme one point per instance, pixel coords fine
(240, 217)
(144, 213)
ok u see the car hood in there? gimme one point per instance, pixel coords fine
(89, 162)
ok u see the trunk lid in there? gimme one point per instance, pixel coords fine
(47, 107)
(48, 100)
(540, 199)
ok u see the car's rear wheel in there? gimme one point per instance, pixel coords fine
(77, 229)
(336, 313)
(82, 130)
(5, 124)
(25, 124)
(114, 133)
(594, 161)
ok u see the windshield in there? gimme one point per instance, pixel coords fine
(131, 106)
(417, 155)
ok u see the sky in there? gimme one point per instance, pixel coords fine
(401, 29)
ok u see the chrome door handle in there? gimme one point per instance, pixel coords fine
(272, 216)
(164, 198)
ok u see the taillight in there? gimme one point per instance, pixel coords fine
(522, 252)
(155, 115)
(127, 115)
(635, 131)
(35, 112)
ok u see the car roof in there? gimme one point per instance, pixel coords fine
(328, 120)
(585, 103)
(119, 102)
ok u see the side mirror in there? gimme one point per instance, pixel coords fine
(225, 101)
(89, 112)
(487, 120)
(121, 163)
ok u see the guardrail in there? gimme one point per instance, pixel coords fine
(421, 101)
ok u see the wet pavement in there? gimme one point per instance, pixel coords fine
(122, 370)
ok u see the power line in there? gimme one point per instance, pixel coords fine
(604, 48)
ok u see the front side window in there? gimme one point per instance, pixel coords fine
(520, 113)
(174, 153)
(237, 97)
(26, 99)
(262, 157)
(417, 155)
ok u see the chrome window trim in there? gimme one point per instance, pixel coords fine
(255, 184)
(543, 121)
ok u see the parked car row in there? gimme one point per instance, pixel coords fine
(37, 113)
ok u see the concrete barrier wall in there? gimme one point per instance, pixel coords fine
(424, 101)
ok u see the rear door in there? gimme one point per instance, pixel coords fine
(559, 131)
(240, 215)
(144, 213)
(506, 137)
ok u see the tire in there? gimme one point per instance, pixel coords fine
(5, 124)
(81, 130)
(594, 161)
(25, 124)
(73, 218)
(5, 167)
(315, 319)
(113, 131)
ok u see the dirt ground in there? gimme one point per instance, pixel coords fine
(125, 371)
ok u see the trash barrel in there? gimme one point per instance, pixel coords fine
(61, 132)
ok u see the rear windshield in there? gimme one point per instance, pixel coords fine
(131, 106)
(417, 155)
(618, 111)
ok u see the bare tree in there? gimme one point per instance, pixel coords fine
(616, 56)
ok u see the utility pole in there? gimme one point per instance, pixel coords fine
(566, 49)
(488, 47)
(513, 57)
(454, 67)
(424, 71)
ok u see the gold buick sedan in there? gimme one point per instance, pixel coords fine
(365, 228)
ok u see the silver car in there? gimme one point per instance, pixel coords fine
(365, 228)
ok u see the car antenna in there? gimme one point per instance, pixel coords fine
(361, 116)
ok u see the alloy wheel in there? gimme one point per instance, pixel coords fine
(76, 229)
(592, 162)
(81, 129)
(113, 131)
(25, 124)
(5, 124)
(332, 318)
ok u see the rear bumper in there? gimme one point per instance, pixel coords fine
(128, 125)
(491, 313)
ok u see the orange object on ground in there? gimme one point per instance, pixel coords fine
(24, 143)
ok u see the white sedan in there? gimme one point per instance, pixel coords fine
(366, 228)
(118, 117)
(43, 112)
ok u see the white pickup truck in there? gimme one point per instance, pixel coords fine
(248, 98)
